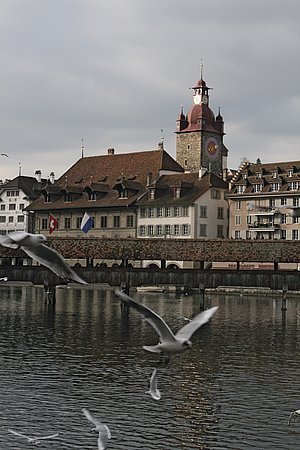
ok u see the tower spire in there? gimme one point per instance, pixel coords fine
(82, 148)
(201, 70)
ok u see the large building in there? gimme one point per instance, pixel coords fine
(264, 201)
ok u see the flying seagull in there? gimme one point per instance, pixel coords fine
(168, 343)
(294, 413)
(4, 154)
(153, 391)
(33, 245)
(101, 428)
(33, 440)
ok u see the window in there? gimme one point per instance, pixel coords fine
(237, 234)
(238, 204)
(282, 234)
(167, 230)
(274, 173)
(129, 221)
(176, 230)
(116, 222)
(142, 230)
(21, 206)
(185, 211)
(177, 192)
(274, 187)
(216, 194)
(220, 213)
(151, 212)
(11, 219)
(203, 211)
(168, 211)
(220, 233)
(185, 229)
(20, 219)
(12, 193)
(150, 230)
(295, 234)
(240, 189)
(152, 194)
(143, 213)
(67, 223)
(249, 220)
(283, 218)
(293, 185)
(290, 172)
(123, 193)
(12, 207)
(296, 219)
(92, 196)
(44, 224)
(176, 211)
(160, 212)
(68, 197)
(78, 222)
(258, 174)
(202, 231)
(283, 201)
(237, 220)
(159, 230)
(2, 219)
(103, 221)
(257, 187)
(296, 201)
(272, 203)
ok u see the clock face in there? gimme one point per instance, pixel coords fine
(212, 147)
(204, 100)
(197, 99)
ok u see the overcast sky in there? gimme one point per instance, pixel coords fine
(114, 73)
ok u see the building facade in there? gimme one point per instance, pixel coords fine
(264, 201)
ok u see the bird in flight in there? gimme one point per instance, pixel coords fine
(101, 428)
(168, 342)
(4, 154)
(294, 413)
(33, 245)
(153, 391)
(33, 440)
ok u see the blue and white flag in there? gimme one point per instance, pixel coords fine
(86, 223)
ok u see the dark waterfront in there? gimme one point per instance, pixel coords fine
(235, 389)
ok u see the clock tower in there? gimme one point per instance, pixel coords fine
(199, 135)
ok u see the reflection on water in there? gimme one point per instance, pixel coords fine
(234, 390)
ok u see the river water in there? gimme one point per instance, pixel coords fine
(234, 389)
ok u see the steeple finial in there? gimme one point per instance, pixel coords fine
(82, 148)
(201, 70)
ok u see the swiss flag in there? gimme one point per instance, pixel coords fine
(53, 223)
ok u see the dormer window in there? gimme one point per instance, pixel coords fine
(258, 174)
(123, 193)
(257, 187)
(240, 189)
(68, 197)
(290, 172)
(244, 176)
(274, 173)
(152, 194)
(92, 196)
(275, 187)
(177, 192)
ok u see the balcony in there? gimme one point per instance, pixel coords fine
(263, 226)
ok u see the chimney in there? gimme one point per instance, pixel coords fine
(52, 177)
(38, 176)
(111, 151)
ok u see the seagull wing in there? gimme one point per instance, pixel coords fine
(153, 380)
(6, 241)
(103, 438)
(162, 329)
(189, 329)
(48, 437)
(18, 434)
(54, 261)
(91, 418)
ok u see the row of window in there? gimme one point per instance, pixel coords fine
(175, 230)
(12, 207)
(253, 219)
(13, 193)
(104, 223)
(295, 235)
(11, 219)
(161, 211)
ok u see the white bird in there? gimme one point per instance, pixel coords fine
(101, 428)
(33, 245)
(3, 279)
(33, 440)
(294, 413)
(153, 391)
(169, 343)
